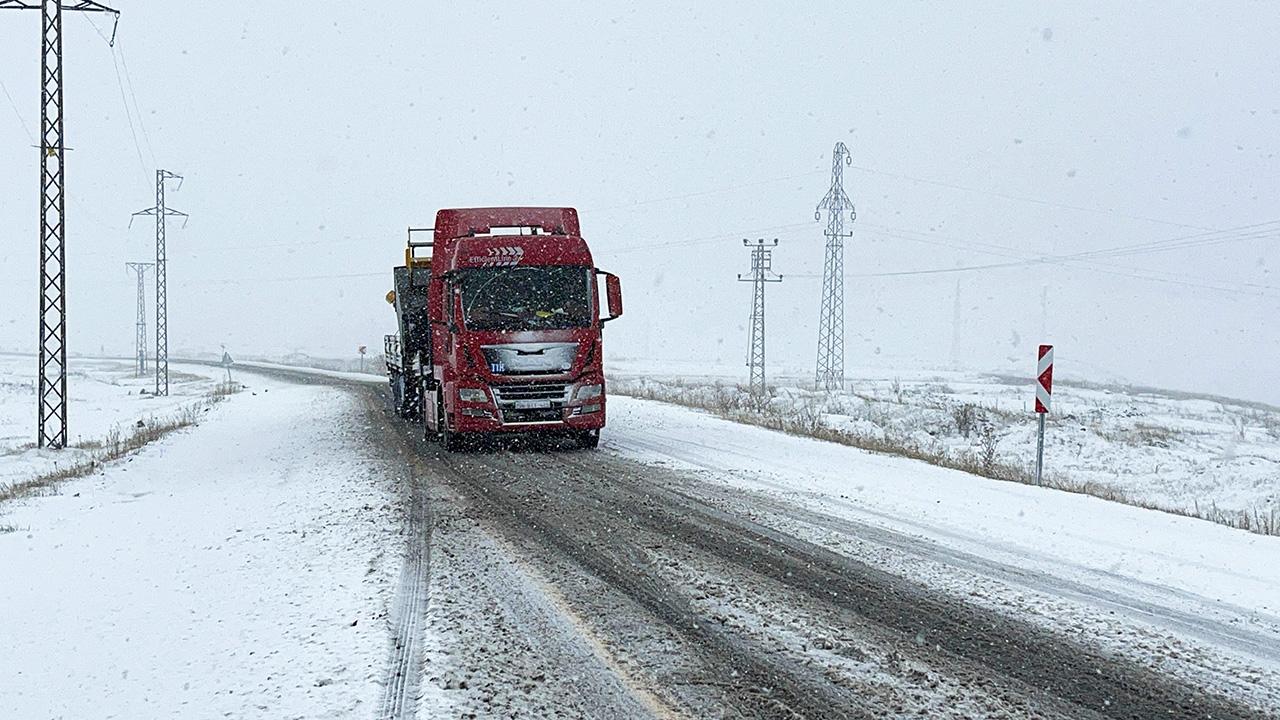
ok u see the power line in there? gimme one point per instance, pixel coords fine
(142, 164)
(362, 242)
(253, 281)
(1242, 233)
(705, 239)
(124, 102)
(146, 137)
(17, 114)
(1021, 198)
(1085, 259)
(292, 278)
(1021, 260)
(1216, 237)
(700, 193)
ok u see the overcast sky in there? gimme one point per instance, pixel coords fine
(981, 134)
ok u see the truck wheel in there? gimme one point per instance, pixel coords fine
(429, 404)
(451, 440)
(588, 439)
(397, 394)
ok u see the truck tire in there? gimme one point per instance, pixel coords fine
(427, 405)
(450, 440)
(397, 393)
(588, 439)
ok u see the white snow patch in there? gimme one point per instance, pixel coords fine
(104, 395)
(233, 570)
(1167, 449)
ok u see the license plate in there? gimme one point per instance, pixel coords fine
(532, 404)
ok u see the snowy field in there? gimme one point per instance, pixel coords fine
(105, 398)
(240, 568)
(1197, 454)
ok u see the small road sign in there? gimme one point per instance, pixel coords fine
(1044, 392)
(1044, 379)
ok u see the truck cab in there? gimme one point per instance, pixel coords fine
(501, 318)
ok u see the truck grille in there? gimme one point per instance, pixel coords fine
(555, 392)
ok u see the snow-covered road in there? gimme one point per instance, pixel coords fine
(303, 553)
(1200, 599)
(706, 563)
(1079, 537)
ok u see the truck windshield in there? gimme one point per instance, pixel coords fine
(526, 298)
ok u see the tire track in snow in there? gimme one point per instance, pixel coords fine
(404, 666)
(627, 491)
(1178, 611)
(512, 604)
(756, 684)
(1008, 647)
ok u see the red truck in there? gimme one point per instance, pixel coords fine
(500, 319)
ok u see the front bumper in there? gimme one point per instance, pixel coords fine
(471, 417)
(531, 406)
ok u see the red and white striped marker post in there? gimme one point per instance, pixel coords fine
(1044, 393)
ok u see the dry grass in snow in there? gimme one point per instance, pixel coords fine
(1210, 458)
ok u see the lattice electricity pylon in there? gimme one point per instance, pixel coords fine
(162, 303)
(140, 338)
(830, 373)
(51, 375)
(761, 273)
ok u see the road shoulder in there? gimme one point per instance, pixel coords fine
(240, 568)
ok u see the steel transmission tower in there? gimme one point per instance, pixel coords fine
(161, 212)
(761, 273)
(51, 375)
(140, 341)
(830, 374)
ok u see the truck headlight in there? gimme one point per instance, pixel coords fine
(586, 392)
(475, 395)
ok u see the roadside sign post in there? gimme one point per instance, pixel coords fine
(1040, 451)
(362, 350)
(226, 363)
(1044, 393)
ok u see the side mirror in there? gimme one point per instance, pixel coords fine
(613, 291)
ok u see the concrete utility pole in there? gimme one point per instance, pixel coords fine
(51, 374)
(162, 303)
(140, 339)
(830, 373)
(761, 273)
